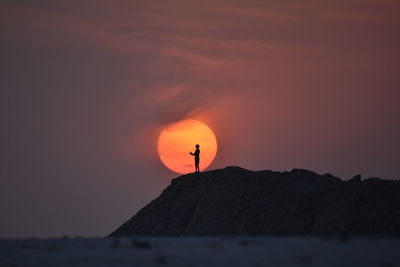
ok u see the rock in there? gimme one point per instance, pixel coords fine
(355, 179)
(236, 202)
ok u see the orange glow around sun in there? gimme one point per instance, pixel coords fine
(180, 138)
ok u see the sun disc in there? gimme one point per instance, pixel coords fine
(179, 138)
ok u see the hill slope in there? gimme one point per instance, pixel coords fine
(235, 201)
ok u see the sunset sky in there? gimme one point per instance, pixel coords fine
(87, 87)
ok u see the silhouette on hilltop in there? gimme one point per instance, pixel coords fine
(196, 155)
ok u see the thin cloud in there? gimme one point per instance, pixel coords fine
(262, 13)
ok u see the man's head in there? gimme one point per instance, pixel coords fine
(197, 146)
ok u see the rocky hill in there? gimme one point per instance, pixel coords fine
(235, 201)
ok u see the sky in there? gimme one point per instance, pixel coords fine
(87, 87)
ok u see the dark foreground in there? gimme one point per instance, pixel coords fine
(192, 252)
(237, 202)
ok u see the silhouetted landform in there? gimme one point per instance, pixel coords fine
(236, 202)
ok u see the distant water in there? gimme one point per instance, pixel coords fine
(190, 252)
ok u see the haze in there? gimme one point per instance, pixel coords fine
(86, 88)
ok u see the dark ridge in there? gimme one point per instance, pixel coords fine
(234, 201)
(355, 179)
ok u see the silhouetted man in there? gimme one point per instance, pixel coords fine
(196, 155)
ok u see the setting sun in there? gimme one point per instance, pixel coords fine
(178, 139)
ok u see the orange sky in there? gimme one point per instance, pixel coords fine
(88, 86)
